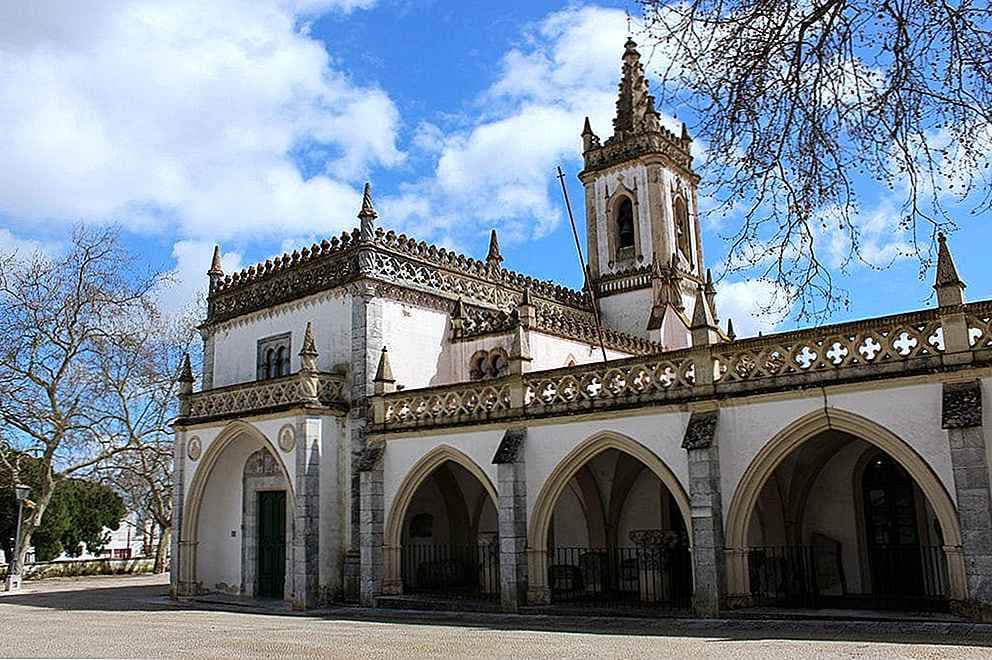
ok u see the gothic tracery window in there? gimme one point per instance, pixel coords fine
(273, 357)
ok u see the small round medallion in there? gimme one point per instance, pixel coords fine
(194, 448)
(287, 438)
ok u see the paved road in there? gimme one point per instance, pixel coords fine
(131, 617)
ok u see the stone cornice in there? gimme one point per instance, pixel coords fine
(623, 151)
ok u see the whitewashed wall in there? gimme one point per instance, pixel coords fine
(236, 341)
(628, 312)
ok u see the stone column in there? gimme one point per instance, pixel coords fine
(306, 527)
(707, 512)
(512, 486)
(371, 531)
(962, 418)
(366, 344)
(178, 499)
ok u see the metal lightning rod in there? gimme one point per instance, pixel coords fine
(582, 264)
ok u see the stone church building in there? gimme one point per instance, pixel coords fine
(386, 421)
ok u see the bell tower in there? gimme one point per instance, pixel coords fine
(642, 222)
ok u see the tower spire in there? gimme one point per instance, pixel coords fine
(635, 106)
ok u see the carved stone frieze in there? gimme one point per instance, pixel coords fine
(962, 405)
(371, 456)
(701, 430)
(510, 446)
(262, 464)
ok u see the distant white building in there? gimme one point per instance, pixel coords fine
(504, 448)
(133, 538)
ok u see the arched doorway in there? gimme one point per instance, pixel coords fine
(837, 512)
(238, 523)
(444, 525)
(613, 529)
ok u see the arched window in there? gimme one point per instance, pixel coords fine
(282, 361)
(682, 228)
(625, 227)
(270, 363)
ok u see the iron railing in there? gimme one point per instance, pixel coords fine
(898, 577)
(646, 576)
(451, 570)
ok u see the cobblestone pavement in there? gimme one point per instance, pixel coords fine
(131, 617)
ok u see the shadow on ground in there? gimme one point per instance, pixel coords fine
(151, 598)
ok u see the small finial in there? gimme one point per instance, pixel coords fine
(702, 316)
(950, 288)
(587, 128)
(368, 211)
(494, 258)
(309, 345)
(731, 335)
(685, 133)
(215, 265)
(384, 373)
(186, 371)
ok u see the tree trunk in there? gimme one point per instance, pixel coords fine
(164, 537)
(32, 521)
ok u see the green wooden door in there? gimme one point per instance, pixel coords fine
(271, 543)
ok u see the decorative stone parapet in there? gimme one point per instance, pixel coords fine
(385, 256)
(872, 349)
(264, 396)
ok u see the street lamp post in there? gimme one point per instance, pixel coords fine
(21, 492)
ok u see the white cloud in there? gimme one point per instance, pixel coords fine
(154, 113)
(500, 171)
(754, 305)
(22, 247)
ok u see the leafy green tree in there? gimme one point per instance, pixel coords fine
(79, 514)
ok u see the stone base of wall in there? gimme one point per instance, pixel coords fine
(974, 610)
(80, 567)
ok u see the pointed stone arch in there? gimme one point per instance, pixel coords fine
(415, 477)
(189, 531)
(557, 481)
(795, 434)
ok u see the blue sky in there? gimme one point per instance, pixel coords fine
(253, 123)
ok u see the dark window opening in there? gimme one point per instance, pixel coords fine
(625, 226)
(682, 228)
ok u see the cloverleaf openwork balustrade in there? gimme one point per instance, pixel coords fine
(890, 346)
(472, 401)
(265, 395)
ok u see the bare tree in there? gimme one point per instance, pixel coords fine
(86, 371)
(808, 110)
